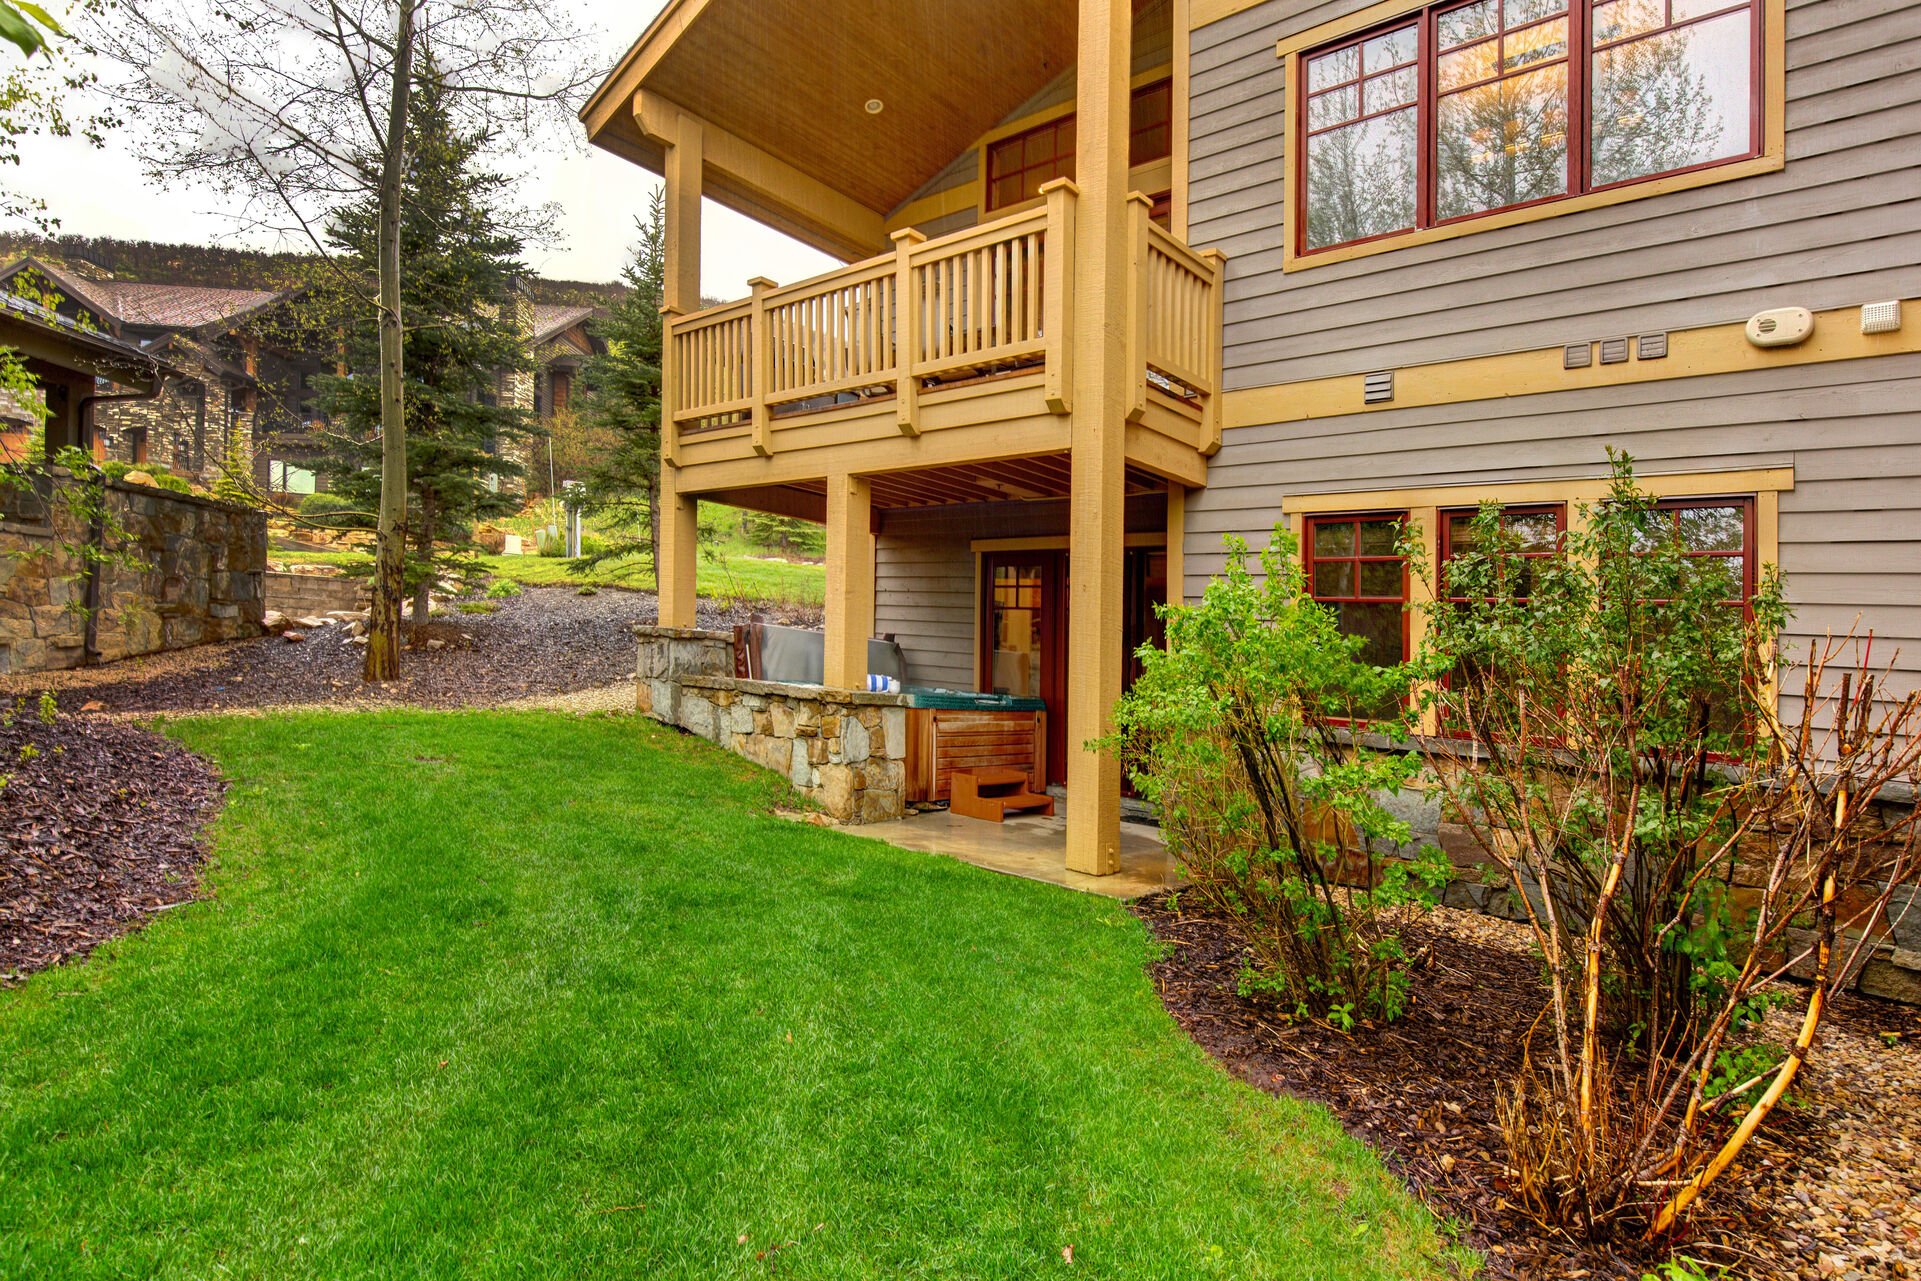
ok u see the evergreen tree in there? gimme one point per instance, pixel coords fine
(622, 395)
(463, 345)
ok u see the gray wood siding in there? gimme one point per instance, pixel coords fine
(1850, 530)
(924, 575)
(1840, 225)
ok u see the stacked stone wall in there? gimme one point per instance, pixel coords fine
(195, 577)
(844, 750)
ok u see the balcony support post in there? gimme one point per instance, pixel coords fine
(850, 580)
(679, 541)
(908, 319)
(1102, 397)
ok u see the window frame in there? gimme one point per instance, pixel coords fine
(1444, 518)
(1162, 84)
(1767, 125)
(1309, 560)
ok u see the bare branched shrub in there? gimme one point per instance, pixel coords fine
(1237, 731)
(1612, 744)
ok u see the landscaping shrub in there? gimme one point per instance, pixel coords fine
(1236, 731)
(502, 588)
(334, 511)
(1610, 741)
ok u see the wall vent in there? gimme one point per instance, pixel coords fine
(1881, 317)
(1614, 351)
(1577, 355)
(1651, 347)
(1378, 389)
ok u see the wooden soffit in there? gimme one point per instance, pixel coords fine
(791, 80)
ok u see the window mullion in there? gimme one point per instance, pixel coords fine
(1425, 169)
(1580, 57)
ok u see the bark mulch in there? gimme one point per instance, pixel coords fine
(1806, 1200)
(99, 829)
(545, 641)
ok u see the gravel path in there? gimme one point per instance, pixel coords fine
(544, 643)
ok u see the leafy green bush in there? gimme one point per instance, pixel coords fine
(333, 510)
(479, 607)
(502, 588)
(1237, 731)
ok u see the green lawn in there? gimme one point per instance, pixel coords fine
(520, 995)
(735, 575)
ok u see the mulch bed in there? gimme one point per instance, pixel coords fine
(1421, 1092)
(99, 829)
(547, 640)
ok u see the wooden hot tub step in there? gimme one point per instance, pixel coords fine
(993, 794)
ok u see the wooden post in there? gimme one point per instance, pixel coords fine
(685, 178)
(1057, 296)
(670, 391)
(760, 378)
(1102, 382)
(850, 580)
(1176, 543)
(1139, 209)
(908, 319)
(1211, 369)
(679, 541)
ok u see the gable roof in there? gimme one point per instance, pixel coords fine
(551, 320)
(151, 306)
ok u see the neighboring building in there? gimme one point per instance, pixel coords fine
(193, 573)
(203, 422)
(245, 403)
(1462, 249)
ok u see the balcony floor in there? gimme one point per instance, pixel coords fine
(1034, 848)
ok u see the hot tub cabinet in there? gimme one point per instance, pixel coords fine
(949, 732)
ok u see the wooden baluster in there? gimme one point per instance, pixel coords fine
(1057, 302)
(760, 367)
(907, 332)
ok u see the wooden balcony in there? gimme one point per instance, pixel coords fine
(943, 352)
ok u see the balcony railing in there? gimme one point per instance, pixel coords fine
(988, 301)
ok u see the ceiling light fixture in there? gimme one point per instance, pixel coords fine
(874, 106)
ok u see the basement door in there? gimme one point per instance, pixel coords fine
(1024, 630)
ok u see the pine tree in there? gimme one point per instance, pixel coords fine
(622, 395)
(463, 342)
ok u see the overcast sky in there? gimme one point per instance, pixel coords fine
(103, 193)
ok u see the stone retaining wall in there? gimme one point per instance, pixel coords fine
(843, 749)
(297, 594)
(198, 579)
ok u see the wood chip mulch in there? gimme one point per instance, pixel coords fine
(100, 828)
(1829, 1189)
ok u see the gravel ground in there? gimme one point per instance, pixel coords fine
(543, 643)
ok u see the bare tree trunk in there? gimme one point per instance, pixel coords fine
(390, 585)
(653, 524)
(424, 552)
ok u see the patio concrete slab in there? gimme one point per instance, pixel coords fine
(1033, 847)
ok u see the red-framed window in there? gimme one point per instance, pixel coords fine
(1355, 568)
(1466, 109)
(1018, 165)
(1537, 529)
(1718, 534)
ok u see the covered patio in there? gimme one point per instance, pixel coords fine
(1050, 347)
